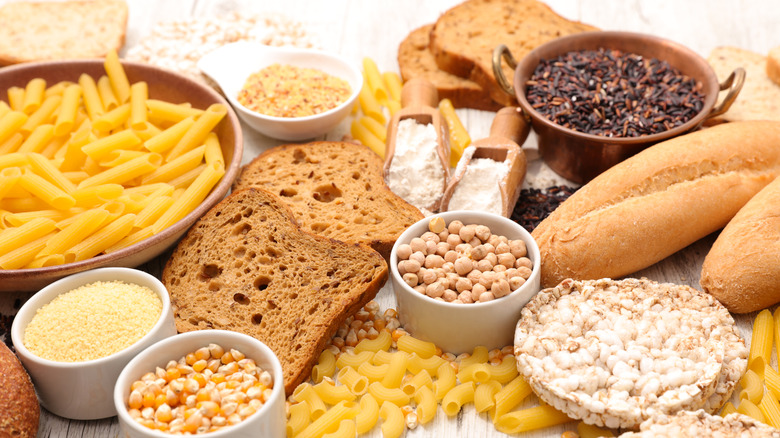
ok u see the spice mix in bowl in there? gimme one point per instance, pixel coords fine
(596, 98)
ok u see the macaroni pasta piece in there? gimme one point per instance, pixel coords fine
(411, 344)
(746, 407)
(457, 397)
(332, 394)
(305, 392)
(326, 366)
(393, 395)
(392, 420)
(484, 395)
(368, 413)
(347, 429)
(478, 372)
(426, 404)
(382, 342)
(752, 387)
(299, 418)
(445, 382)
(591, 431)
(329, 421)
(351, 379)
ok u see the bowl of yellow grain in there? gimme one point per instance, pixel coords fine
(282, 92)
(75, 336)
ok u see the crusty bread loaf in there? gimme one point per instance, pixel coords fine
(334, 189)
(415, 60)
(657, 202)
(42, 31)
(773, 65)
(246, 266)
(19, 409)
(742, 270)
(759, 98)
(463, 38)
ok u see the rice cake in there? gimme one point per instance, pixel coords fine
(614, 353)
(699, 423)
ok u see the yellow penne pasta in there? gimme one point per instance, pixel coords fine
(484, 396)
(478, 355)
(771, 380)
(374, 79)
(368, 414)
(458, 136)
(41, 115)
(591, 431)
(72, 156)
(445, 381)
(117, 157)
(153, 210)
(326, 364)
(38, 138)
(16, 98)
(415, 364)
(57, 88)
(373, 373)
(133, 203)
(526, 420)
(66, 113)
(727, 409)
(478, 372)
(213, 153)
(112, 119)
(107, 97)
(147, 130)
(89, 92)
(300, 417)
(169, 137)
(396, 371)
(392, 420)
(23, 204)
(33, 95)
(132, 239)
(379, 130)
(382, 393)
(23, 255)
(329, 421)
(20, 218)
(46, 169)
(157, 189)
(184, 181)
(369, 104)
(15, 237)
(178, 166)
(393, 106)
(10, 123)
(49, 260)
(332, 394)
(411, 344)
(4, 109)
(761, 340)
(117, 77)
(197, 134)
(752, 387)
(356, 383)
(9, 176)
(423, 378)
(362, 134)
(746, 407)
(15, 159)
(458, 396)
(127, 171)
(347, 429)
(46, 191)
(102, 239)
(305, 392)
(504, 372)
(170, 112)
(139, 93)
(54, 146)
(114, 209)
(426, 404)
(12, 143)
(393, 84)
(511, 395)
(84, 225)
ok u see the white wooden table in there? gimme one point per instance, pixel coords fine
(374, 28)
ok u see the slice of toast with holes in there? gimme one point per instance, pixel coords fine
(247, 266)
(335, 189)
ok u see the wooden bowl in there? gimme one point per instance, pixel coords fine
(164, 85)
(579, 156)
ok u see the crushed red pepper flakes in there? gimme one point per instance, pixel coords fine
(283, 90)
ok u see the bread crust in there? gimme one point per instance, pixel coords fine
(19, 409)
(463, 38)
(742, 269)
(657, 202)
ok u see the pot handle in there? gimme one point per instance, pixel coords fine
(734, 84)
(502, 51)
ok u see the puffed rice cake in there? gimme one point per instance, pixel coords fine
(615, 352)
(702, 424)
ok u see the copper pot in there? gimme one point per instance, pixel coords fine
(579, 156)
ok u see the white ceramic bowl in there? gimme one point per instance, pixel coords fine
(230, 66)
(269, 421)
(458, 328)
(84, 390)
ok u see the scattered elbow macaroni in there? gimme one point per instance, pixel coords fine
(92, 167)
(375, 373)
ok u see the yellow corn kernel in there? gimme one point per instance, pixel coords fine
(163, 413)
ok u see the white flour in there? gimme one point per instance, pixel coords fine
(478, 189)
(416, 173)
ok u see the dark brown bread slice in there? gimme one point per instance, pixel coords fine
(415, 60)
(463, 38)
(19, 409)
(335, 189)
(246, 266)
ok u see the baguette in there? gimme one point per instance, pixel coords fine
(773, 65)
(742, 269)
(657, 202)
(19, 409)
(246, 266)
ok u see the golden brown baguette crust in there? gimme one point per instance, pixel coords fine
(773, 65)
(43, 31)
(415, 60)
(246, 266)
(19, 409)
(742, 269)
(658, 202)
(335, 189)
(463, 38)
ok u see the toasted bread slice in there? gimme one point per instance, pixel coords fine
(335, 189)
(246, 266)
(759, 98)
(43, 31)
(415, 60)
(463, 38)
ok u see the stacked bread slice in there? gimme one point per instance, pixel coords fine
(455, 53)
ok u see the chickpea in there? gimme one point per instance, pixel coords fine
(433, 261)
(516, 282)
(452, 280)
(475, 242)
(444, 235)
(482, 232)
(465, 297)
(430, 247)
(435, 289)
(463, 284)
(502, 248)
(463, 265)
(490, 248)
(474, 275)
(419, 289)
(453, 240)
(478, 253)
(466, 233)
(517, 248)
(487, 279)
(450, 256)
(500, 288)
(439, 272)
(411, 279)
(494, 240)
(500, 268)
(448, 267)
(404, 251)
(417, 245)
(412, 266)
(455, 226)
(506, 259)
(430, 237)
(449, 295)
(442, 248)
(402, 267)
(485, 297)
(484, 265)
(436, 224)
(492, 258)
(524, 262)
(463, 248)
(429, 276)
(476, 291)
(524, 272)
(418, 256)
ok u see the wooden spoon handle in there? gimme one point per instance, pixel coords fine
(419, 92)
(509, 123)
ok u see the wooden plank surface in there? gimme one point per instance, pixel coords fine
(358, 28)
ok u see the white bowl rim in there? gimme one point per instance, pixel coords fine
(161, 345)
(291, 50)
(41, 298)
(533, 250)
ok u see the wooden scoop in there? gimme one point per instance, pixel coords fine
(419, 101)
(507, 132)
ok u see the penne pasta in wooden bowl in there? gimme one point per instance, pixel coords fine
(105, 163)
